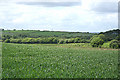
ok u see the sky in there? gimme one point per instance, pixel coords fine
(59, 15)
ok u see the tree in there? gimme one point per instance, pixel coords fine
(2, 29)
(96, 42)
(25, 40)
(77, 40)
(66, 41)
(118, 38)
(114, 44)
(70, 40)
(93, 37)
(14, 29)
(61, 41)
(7, 41)
(55, 40)
(102, 36)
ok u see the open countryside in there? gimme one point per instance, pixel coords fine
(59, 54)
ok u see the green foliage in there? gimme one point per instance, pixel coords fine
(106, 45)
(93, 37)
(61, 41)
(15, 40)
(25, 40)
(71, 40)
(35, 40)
(3, 39)
(118, 37)
(77, 40)
(46, 34)
(102, 36)
(7, 41)
(111, 34)
(66, 41)
(55, 40)
(84, 41)
(6, 37)
(97, 41)
(57, 61)
(114, 44)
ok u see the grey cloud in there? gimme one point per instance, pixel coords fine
(52, 4)
(106, 7)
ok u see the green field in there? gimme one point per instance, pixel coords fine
(58, 61)
(37, 33)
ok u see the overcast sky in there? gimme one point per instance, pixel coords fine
(59, 15)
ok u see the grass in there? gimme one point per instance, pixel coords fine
(58, 61)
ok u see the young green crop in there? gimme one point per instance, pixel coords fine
(57, 61)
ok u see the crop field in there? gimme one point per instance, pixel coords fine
(58, 61)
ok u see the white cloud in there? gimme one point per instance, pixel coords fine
(75, 18)
(40, 0)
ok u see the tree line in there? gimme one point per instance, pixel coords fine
(113, 37)
(99, 40)
(50, 40)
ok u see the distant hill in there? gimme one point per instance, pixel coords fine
(111, 34)
(37, 33)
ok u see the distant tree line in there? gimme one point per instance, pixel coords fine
(50, 40)
(24, 37)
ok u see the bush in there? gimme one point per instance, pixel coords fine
(66, 41)
(97, 42)
(102, 36)
(55, 41)
(106, 45)
(15, 40)
(25, 40)
(76, 40)
(61, 41)
(7, 41)
(84, 41)
(3, 38)
(114, 44)
(70, 40)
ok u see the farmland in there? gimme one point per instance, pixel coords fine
(58, 61)
(37, 33)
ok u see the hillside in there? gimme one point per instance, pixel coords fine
(111, 34)
(37, 34)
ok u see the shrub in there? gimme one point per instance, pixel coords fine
(18, 40)
(61, 41)
(76, 40)
(55, 41)
(15, 40)
(3, 38)
(96, 42)
(31, 40)
(114, 44)
(25, 40)
(84, 41)
(106, 45)
(7, 41)
(102, 36)
(66, 41)
(70, 40)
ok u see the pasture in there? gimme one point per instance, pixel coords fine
(58, 61)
